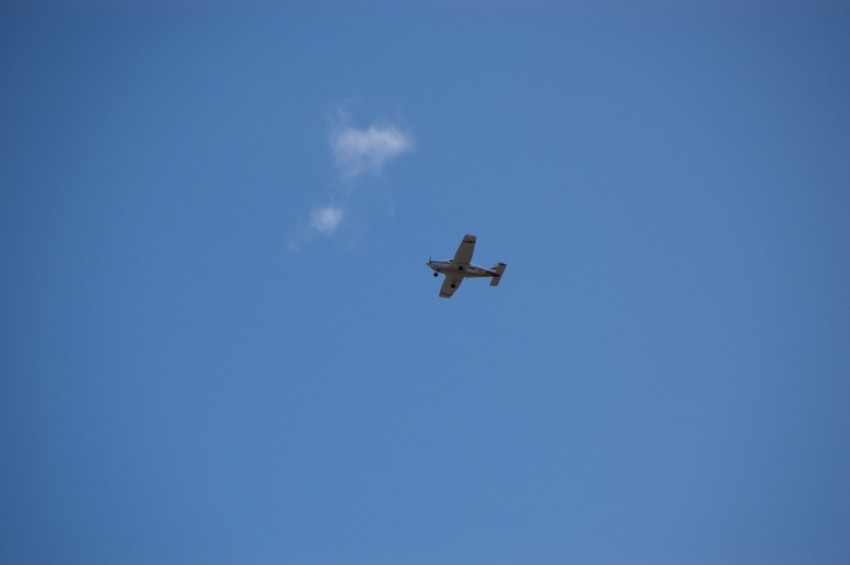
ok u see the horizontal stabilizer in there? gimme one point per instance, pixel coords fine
(498, 269)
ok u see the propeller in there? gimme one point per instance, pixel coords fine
(428, 264)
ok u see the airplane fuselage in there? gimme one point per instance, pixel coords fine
(447, 268)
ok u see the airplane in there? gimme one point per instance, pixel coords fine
(460, 268)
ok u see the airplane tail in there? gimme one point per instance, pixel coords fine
(499, 269)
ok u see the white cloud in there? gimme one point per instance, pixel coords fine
(325, 220)
(359, 151)
(356, 152)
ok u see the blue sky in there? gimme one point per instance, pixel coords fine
(220, 343)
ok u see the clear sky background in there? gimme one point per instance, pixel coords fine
(219, 341)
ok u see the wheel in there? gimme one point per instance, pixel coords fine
(460, 268)
(453, 286)
(436, 274)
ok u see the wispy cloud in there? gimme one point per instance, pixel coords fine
(359, 151)
(323, 220)
(326, 219)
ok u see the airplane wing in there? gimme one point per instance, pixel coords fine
(450, 285)
(464, 251)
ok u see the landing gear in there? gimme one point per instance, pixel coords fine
(453, 286)
(436, 274)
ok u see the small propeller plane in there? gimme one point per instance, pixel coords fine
(461, 267)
